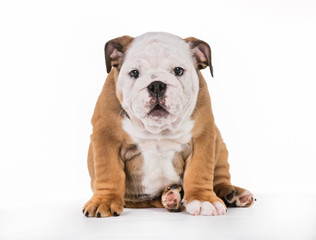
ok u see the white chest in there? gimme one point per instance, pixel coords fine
(158, 154)
(158, 170)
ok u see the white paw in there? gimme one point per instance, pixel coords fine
(220, 208)
(205, 208)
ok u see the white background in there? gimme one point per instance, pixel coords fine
(52, 71)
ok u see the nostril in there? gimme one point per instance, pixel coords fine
(151, 88)
(162, 87)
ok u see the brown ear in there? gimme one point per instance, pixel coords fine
(114, 51)
(201, 52)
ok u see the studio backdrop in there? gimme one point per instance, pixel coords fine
(53, 68)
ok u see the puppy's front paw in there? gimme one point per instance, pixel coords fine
(103, 206)
(206, 208)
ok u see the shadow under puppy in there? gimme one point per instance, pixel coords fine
(153, 126)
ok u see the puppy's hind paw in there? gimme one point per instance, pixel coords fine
(239, 199)
(171, 198)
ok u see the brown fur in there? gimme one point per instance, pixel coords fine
(114, 161)
(106, 167)
(200, 167)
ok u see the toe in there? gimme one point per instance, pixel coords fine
(244, 199)
(207, 209)
(116, 209)
(193, 207)
(103, 211)
(90, 210)
(220, 208)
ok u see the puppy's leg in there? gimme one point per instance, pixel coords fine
(199, 196)
(107, 178)
(155, 203)
(232, 196)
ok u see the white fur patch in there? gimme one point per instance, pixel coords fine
(166, 140)
(158, 151)
(158, 170)
(220, 208)
(194, 207)
(205, 208)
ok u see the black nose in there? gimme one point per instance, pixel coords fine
(157, 89)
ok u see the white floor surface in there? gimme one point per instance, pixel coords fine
(272, 217)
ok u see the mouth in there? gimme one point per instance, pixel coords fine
(158, 111)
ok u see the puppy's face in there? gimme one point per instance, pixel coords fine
(158, 82)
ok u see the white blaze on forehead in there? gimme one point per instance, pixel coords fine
(153, 46)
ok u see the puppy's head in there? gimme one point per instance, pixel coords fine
(158, 82)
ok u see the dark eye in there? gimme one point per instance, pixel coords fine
(178, 71)
(168, 188)
(134, 74)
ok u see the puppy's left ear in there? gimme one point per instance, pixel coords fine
(201, 52)
(114, 52)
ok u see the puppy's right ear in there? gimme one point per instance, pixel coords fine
(114, 52)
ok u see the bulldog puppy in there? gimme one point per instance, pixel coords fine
(153, 126)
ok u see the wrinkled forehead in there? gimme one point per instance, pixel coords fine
(154, 47)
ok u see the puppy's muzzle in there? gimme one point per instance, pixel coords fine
(157, 89)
